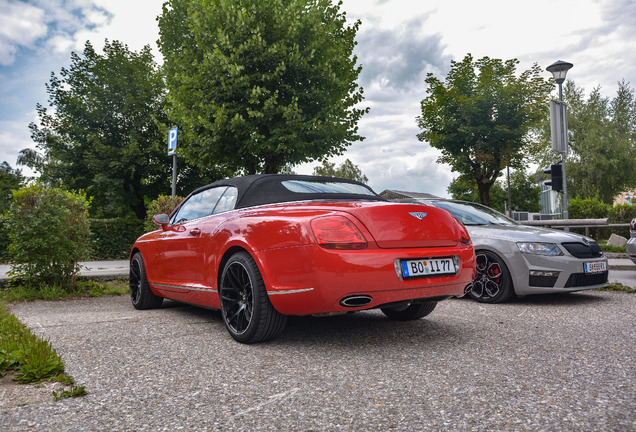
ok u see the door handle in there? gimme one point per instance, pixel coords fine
(195, 232)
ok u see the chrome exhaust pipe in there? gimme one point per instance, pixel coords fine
(356, 301)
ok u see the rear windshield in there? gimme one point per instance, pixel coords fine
(314, 187)
(473, 213)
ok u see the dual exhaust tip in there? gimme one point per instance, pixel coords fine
(356, 301)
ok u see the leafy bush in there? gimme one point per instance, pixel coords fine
(48, 231)
(623, 213)
(113, 238)
(588, 208)
(163, 204)
(4, 241)
(591, 208)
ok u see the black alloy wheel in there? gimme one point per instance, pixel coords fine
(140, 294)
(492, 283)
(247, 312)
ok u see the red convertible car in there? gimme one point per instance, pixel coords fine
(263, 247)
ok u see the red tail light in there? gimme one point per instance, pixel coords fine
(463, 234)
(337, 232)
(633, 225)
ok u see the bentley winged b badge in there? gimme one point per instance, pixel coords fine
(418, 215)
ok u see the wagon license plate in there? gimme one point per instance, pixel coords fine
(595, 267)
(428, 267)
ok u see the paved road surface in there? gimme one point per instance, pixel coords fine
(543, 363)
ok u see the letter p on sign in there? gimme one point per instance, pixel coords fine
(172, 141)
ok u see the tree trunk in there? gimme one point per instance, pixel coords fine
(484, 192)
(138, 206)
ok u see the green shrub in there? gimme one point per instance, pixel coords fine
(588, 208)
(622, 213)
(591, 208)
(113, 238)
(4, 240)
(48, 231)
(163, 204)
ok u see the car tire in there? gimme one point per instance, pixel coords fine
(140, 294)
(247, 312)
(492, 283)
(410, 312)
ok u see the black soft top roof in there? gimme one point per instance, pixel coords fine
(262, 189)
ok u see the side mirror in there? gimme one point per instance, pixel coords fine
(162, 219)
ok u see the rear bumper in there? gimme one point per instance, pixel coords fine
(309, 279)
(631, 248)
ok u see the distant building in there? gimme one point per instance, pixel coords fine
(550, 203)
(626, 198)
(395, 194)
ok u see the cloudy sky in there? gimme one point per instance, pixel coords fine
(399, 42)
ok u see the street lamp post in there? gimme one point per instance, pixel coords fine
(559, 70)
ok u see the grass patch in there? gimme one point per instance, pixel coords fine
(606, 248)
(32, 358)
(16, 292)
(29, 358)
(73, 393)
(618, 287)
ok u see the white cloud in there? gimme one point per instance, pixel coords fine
(13, 135)
(22, 26)
(131, 22)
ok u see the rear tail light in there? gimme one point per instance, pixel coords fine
(337, 232)
(633, 225)
(463, 234)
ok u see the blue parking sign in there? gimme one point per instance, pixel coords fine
(172, 141)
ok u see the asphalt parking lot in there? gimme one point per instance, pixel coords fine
(544, 363)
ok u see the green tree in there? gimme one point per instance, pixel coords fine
(10, 179)
(107, 132)
(49, 234)
(347, 170)
(256, 85)
(524, 191)
(482, 116)
(602, 137)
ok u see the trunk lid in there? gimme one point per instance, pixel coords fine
(396, 225)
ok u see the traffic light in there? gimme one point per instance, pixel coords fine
(556, 174)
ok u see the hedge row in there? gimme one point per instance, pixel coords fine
(113, 238)
(109, 238)
(594, 209)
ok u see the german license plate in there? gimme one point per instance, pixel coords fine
(595, 267)
(428, 267)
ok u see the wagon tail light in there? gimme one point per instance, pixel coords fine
(337, 232)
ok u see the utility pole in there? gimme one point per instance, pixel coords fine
(559, 70)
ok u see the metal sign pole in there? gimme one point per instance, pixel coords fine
(174, 175)
(172, 147)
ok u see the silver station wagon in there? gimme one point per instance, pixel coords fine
(514, 259)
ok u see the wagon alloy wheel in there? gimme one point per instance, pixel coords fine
(409, 312)
(492, 282)
(247, 312)
(140, 294)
